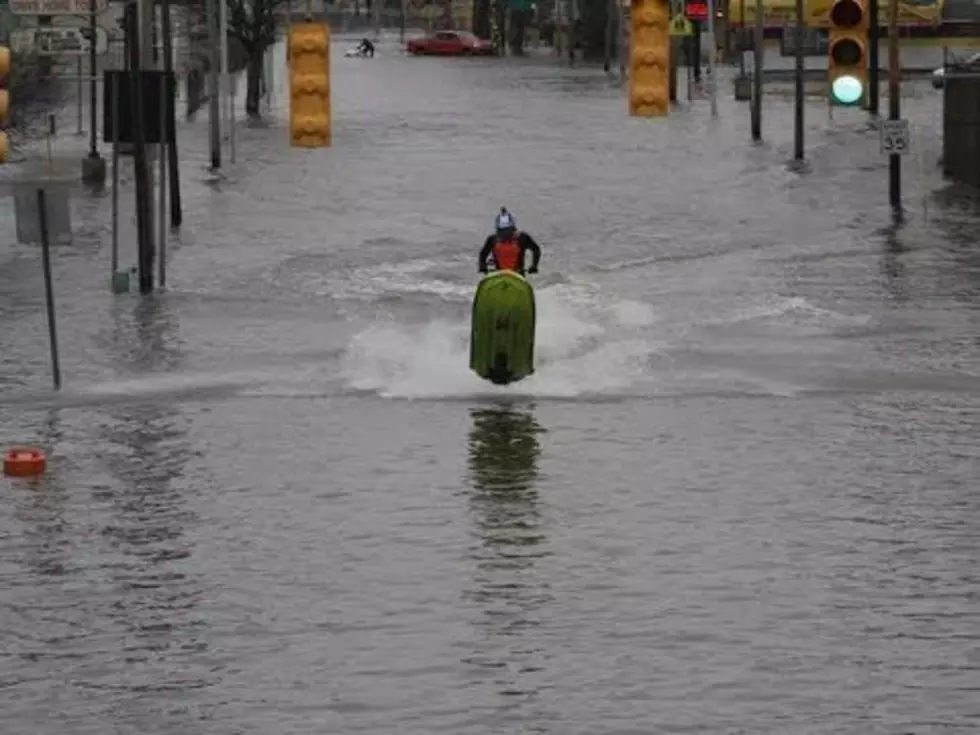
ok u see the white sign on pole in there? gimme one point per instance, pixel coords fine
(894, 137)
(58, 41)
(57, 7)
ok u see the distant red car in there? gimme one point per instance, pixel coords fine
(449, 43)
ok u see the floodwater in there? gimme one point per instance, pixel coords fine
(738, 496)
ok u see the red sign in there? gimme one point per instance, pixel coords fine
(696, 10)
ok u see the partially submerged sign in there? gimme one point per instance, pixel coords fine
(57, 7)
(58, 41)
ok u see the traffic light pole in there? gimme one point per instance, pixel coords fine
(894, 106)
(874, 38)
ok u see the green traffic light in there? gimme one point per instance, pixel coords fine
(847, 90)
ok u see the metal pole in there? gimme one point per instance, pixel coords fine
(269, 75)
(226, 75)
(711, 57)
(757, 85)
(742, 36)
(115, 173)
(894, 105)
(214, 107)
(401, 22)
(144, 198)
(162, 192)
(93, 88)
(572, 30)
(42, 214)
(798, 112)
(81, 95)
(874, 39)
(145, 17)
(623, 40)
(176, 211)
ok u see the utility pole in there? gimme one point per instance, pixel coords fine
(894, 106)
(874, 39)
(757, 86)
(214, 107)
(798, 111)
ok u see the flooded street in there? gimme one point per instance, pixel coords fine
(738, 496)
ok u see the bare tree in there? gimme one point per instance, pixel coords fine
(254, 24)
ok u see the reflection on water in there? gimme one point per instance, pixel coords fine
(892, 264)
(144, 338)
(507, 587)
(154, 594)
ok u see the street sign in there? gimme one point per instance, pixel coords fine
(894, 137)
(680, 26)
(58, 41)
(57, 7)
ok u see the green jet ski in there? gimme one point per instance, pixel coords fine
(502, 331)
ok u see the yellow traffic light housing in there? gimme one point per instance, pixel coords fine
(309, 85)
(649, 79)
(847, 53)
(4, 98)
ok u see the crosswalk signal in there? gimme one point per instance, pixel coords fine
(649, 78)
(309, 85)
(848, 53)
(4, 98)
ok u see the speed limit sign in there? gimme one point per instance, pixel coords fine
(894, 137)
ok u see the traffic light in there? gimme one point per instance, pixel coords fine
(649, 79)
(848, 52)
(4, 98)
(309, 85)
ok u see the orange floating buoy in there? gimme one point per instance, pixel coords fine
(24, 462)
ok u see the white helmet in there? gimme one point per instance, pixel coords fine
(505, 220)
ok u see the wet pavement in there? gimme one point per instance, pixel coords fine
(737, 497)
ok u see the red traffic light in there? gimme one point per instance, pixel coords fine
(847, 14)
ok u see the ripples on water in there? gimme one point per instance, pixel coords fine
(738, 496)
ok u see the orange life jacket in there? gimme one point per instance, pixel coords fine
(508, 256)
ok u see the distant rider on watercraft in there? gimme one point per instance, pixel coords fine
(508, 246)
(366, 48)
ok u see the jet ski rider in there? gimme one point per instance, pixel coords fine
(508, 246)
(366, 48)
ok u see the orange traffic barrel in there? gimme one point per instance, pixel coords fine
(24, 462)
